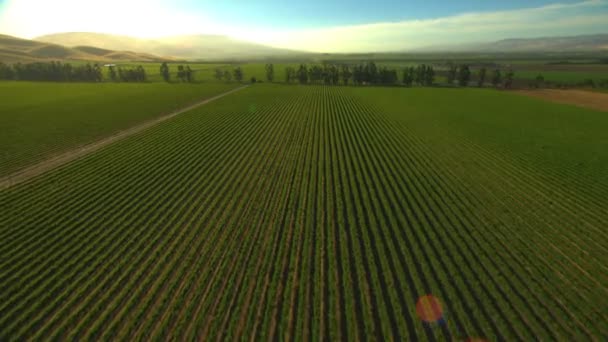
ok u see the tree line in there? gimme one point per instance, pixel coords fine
(226, 75)
(371, 74)
(366, 73)
(184, 73)
(66, 72)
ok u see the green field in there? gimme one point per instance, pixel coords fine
(320, 212)
(568, 77)
(38, 120)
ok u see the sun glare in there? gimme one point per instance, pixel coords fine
(139, 18)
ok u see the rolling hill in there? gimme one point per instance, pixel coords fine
(191, 47)
(13, 49)
(584, 43)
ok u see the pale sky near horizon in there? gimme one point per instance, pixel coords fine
(314, 25)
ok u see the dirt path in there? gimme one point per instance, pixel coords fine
(70, 155)
(581, 98)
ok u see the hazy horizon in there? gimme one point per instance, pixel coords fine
(313, 26)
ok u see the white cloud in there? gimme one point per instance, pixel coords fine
(556, 19)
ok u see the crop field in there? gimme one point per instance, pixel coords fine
(568, 77)
(39, 119)
(321, 213)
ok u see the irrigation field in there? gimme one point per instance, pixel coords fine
(320, 212)
(42, 119)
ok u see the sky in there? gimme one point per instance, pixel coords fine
(314, 25)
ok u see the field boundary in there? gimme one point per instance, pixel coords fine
(75, 153)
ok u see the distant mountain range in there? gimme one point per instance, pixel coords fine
(190, 47)
(585, 43)
(14, 49)
(107, 47)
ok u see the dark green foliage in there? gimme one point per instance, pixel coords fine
(290, 74)
(452, 73)
(588, 83)
(509, 77)
(464, 75)
(164, 71)
(481, 77)
(137, 74)
(238, 74)
(346, 74)
(227, 75)
(269, 72)
(219, 74)
(181, 73)
(302, 74)
(408, 76)
(539, 81)
(6, 72)
(112, 73)
(189, 74)
(51, 71)
(496, 78)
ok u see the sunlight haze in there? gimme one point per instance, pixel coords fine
(323, 27)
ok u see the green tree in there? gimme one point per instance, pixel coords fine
(164, 71)
(270, 72)
(464, 75)
(302, 74)
(181, 73)
(408, 76)
(346, 74)
(452, 73)
(219, 74)
(429, 76)
(227, 76)
(189, 74)
(540, 81)
(6, 72)
(112, 73)
(509, 77)
(419, 74)
(290, 74)
(238, 74)
(97, 73)
(496, 78)
(481, 77)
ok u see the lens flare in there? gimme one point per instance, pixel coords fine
(429, 309)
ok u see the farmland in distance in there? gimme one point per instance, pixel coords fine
(320, 212)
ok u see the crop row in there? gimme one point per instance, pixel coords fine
(308, 212)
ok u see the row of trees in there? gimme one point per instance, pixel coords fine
(462, 75)
(51, 71)
(66, 72)
(227, 75)
(370, 73)
(422, 75)
(120, 74)
(184, 73)
(367, 73)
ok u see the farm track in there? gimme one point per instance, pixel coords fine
(68, 156)
(316, 215)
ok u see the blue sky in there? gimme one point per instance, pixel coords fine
(314, 25)
(326, 13)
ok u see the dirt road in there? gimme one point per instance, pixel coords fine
(68, 156)
(581, 98)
